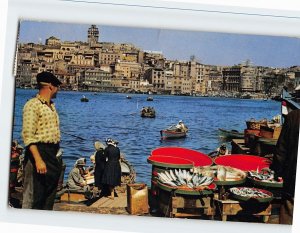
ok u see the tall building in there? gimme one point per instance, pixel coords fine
(93, 35)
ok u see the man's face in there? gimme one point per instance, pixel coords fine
(54, 91)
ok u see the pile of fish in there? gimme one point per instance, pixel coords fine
(265, 176)
(221, 173)
(249, 192)
(178, 177)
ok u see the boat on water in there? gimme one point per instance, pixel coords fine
(172, 133)
(230, 134)
(84, 99)
(148, 112)
(128, 97)
(149, 98)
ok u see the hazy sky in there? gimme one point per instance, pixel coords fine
(209, 48)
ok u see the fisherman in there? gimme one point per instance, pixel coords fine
(76, 181)
(222, 150)
(41, 136)
(181, 127)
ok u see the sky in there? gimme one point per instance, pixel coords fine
(209, 48)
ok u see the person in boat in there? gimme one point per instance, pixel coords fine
(285, 162)
(112, 169)
(181, 127)
(144, 110)
(100, 161)
(76, 180)
(41, 136)
(222, 150)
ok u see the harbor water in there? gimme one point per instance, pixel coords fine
(115, 116)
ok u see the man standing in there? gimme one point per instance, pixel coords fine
(285, 163)
(41, 136)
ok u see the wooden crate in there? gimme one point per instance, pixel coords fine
(186, 205)
(233, 207)
(137, 199)
(276, 133)
(73, 197)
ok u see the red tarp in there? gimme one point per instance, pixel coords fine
(179, 155)
(243, 162)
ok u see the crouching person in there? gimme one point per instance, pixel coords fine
(76, 181)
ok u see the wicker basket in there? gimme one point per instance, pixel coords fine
(253, 124)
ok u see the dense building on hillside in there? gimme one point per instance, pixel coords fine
(95, 65)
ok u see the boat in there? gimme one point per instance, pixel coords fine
(148, 112)
(230, 134)
(128, 97)
(149, 98)
(84, 99)
(172, 133)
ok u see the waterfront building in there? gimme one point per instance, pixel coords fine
(130, 70)
(96, 80)
(231, 78)
(248, 81)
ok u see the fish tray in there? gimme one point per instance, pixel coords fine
(254, 199)
(261, 183)
(205, 190)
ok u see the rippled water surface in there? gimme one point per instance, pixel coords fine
(113, 115)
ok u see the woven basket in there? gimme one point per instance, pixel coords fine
(253, 124)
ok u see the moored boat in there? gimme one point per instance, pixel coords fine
(149, 98)
(230, 134)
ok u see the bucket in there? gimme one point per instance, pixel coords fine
(137, 199)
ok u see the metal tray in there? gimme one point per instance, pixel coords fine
(256, 199)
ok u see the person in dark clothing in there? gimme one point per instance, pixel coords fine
(285, 162)
(112, 170)
(100, 161)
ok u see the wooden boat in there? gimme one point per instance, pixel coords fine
(230, 134)
(149, 98)
(172, 133)
(148, 112)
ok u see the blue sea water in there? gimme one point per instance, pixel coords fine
(113, 115)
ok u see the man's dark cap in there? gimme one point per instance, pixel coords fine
(47, 77)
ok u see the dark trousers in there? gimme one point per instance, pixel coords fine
(42, 187)
(286, 210)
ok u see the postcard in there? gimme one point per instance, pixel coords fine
(151, 122)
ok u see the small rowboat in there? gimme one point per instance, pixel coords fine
(149, 98)
(171, 134)
(230, 134)
(148, 112)
(84, 99)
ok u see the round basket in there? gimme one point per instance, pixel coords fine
(255, 198)
(261, 183)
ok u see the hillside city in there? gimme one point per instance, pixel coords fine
(111, 67)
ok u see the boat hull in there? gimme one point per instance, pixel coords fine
(171, 134)
(230, 134)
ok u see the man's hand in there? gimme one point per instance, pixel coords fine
(39, 162)
(41, 167)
